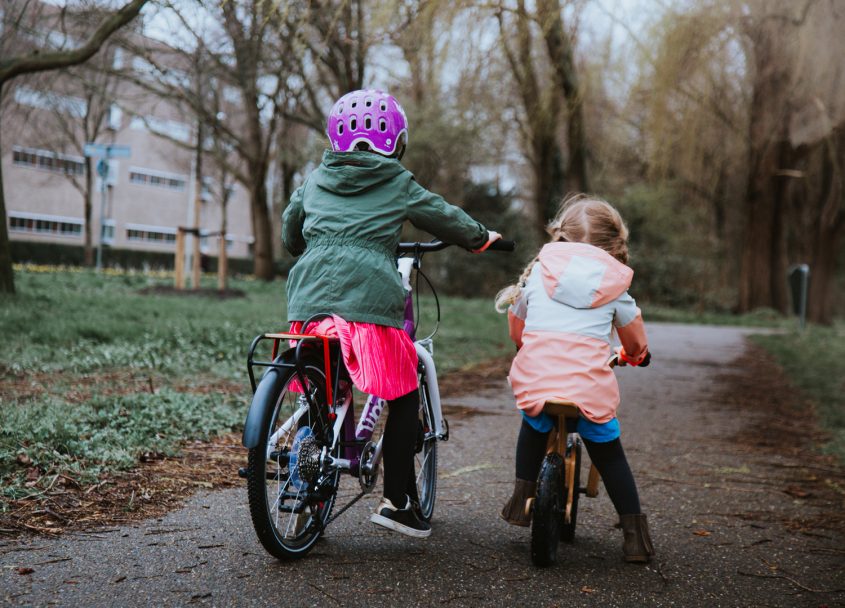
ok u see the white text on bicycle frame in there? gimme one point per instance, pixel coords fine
(372, 411)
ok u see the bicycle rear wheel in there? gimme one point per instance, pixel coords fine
(425, 459)
(290, 493)
(548, 510)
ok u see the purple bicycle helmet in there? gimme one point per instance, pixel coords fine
(367, 116)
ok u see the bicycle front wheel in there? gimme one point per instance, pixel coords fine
(548, 509)
(291, 493)
(567, 530)
(425, 459)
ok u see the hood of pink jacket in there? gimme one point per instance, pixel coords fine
(581, 275)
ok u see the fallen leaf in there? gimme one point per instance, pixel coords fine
(586, 589)
(24, 460)
(797, 492)
(24, 570)
(701, 532)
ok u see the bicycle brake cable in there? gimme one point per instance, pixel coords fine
(436, 301)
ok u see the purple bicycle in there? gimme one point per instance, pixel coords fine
(302, 435)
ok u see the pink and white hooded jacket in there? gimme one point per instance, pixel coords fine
(562, 324)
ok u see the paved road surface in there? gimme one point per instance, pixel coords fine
(719, 513)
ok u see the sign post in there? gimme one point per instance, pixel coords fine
(799, 283)
(105, 152)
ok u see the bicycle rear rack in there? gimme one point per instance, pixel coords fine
(301, 339)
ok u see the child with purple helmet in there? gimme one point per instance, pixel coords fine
(344, 223)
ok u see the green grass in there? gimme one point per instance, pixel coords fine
(815, 362)
(67, 326)
(103, 434)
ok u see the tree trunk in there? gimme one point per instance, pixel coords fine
(7, 274)
(88, 247)
(262, 231)
(561, 55)
(830, 223)
(548, 179)
(763, 270)
(822, 277)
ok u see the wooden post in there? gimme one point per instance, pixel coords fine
(179, 262)
(222, 264)
(195, 262)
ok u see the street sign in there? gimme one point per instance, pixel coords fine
(107, 151)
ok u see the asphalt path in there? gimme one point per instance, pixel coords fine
(719, 515)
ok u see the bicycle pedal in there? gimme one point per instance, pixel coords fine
(242, 472)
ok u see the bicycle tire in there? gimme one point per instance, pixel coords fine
(425, 458)
(567, 531)
(270, 483)
(548, 507)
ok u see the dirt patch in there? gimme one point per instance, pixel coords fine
(75, 388)
(151, 489)
(204, 292)
(488, 374)
(786, 426)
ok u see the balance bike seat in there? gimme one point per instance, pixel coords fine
(560, 407)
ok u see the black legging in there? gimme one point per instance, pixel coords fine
(609, 458)
(400, 438)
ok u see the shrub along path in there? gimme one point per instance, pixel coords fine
(743, 513)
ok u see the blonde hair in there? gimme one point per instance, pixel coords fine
(580, 219)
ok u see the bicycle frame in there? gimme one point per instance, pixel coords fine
(352, 439)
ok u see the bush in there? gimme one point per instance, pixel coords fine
(462, 274)
(57, 254)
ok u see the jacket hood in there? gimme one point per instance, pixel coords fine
(351, 173)
(581, 275)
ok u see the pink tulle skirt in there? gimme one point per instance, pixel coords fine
(381, 360)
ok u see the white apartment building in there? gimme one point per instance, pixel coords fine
(147, 196)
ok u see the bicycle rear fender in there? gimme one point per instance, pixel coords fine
(262, 405)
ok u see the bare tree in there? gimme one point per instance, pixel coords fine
(41, 61)
(541, 108)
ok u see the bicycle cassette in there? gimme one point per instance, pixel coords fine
(308, 462)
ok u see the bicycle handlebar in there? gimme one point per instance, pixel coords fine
(499, 245)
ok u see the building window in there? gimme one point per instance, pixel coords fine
(108, 232)
(66, 104)
(149, 235)
(48, 161)
(148, 177)
(44, 224)
(173, 129)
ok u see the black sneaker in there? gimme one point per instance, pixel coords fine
(404, 521)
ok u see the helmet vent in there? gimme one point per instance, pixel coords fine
(368, 123)
(340, 128)
(340, 109)
(382, 125)
(368, 102)
(383, 106)
(354, 103)
(353, 123)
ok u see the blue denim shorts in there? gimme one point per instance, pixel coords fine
(589, 430)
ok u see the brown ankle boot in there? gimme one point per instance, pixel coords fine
(514, 510)
(636, 545)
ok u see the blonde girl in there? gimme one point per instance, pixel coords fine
(562, 313)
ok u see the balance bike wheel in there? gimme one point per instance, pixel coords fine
(548, 511)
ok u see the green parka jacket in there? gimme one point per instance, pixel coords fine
(345, 221)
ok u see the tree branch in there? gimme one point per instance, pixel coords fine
(39, 62)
